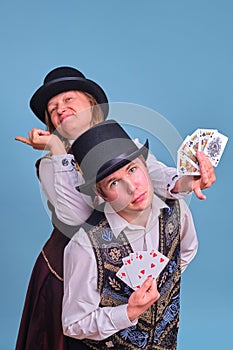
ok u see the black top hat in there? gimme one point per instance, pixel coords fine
(63, 79)
(102, 150)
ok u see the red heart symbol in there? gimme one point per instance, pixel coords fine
(161, 260)
(142, 272)
(123, 274)
(128, 261)
(154, 255)
(152, 265)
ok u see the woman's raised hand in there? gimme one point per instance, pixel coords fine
(43, 140)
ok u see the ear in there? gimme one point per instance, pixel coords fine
(99, 192)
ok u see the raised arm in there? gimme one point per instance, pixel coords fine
(167, 183)
(59, 177)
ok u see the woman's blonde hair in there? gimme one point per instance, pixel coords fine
(97, 117)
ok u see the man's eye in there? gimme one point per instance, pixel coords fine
(68, 99)
(133, 169)
(114, 183)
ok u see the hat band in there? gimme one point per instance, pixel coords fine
(112, 162)
(58, 80)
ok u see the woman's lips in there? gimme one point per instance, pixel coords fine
(65, 117)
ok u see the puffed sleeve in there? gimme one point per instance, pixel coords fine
(59, 178)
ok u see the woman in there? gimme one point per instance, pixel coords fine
(40, 326)
(69, 104)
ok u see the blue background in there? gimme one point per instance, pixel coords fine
(172, 56)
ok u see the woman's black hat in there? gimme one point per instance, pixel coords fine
(63, 79)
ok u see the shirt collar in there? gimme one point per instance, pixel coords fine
(119, 224)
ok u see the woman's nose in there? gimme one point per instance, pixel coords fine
(60, 108)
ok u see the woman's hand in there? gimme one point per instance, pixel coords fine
(43, 140)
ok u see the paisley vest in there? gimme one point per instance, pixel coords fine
(157, 328)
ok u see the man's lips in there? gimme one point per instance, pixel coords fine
(140, 198)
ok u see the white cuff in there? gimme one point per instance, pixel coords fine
(120, 317)
(63, 162)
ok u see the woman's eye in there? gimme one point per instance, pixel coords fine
(52, 110)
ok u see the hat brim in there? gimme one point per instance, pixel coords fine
(39, 100)
(122, 160)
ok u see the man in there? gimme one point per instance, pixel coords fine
(97, 306)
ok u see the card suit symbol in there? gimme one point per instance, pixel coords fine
(153, 254)
(128, 261)
(142, 272)
(161, 260)
(152, 265)
(139, 256)
(123, 274)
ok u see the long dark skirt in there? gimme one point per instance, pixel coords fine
(41, 327)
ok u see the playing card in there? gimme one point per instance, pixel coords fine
(185, 166)
(187, 149)
(145, 264)
(215, 146)
(204, 135)
(126, 261)
(138, 262)
(193, 141)
(209, 141)
(122, 273)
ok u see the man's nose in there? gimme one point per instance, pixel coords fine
(130, 186)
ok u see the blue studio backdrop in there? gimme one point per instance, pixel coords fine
(174, 57)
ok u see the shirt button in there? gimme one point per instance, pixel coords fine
(65, 162)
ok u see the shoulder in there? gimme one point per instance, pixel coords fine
(77, 242)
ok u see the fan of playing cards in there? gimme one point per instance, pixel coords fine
(209, 141)
(140, 265)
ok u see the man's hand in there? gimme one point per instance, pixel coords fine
(142, 299)
(207, 177)
(43, 140)
(197, 183)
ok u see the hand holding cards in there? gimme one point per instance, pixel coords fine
(209, 141)
(140, 265)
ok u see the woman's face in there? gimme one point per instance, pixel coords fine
(70, 113)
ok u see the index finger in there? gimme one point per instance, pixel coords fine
(147, 284)
(23, 139)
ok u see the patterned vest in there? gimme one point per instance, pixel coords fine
(157, 328)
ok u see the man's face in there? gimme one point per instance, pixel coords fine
(129, 190)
